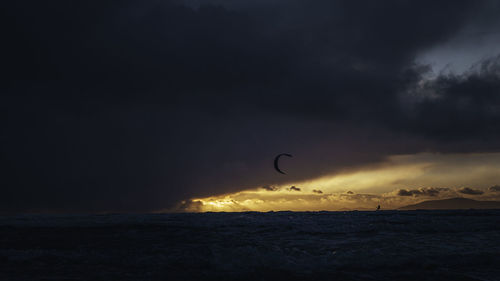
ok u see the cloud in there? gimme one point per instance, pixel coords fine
(269, 188)
(405, 192)
(293, 188)
(453, 101)
(426, 191)
(260, 200)
(317, 191)
(470, 191)
(137, 106)
(495, 188)
(188, 206)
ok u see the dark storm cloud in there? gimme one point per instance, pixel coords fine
(135, 106)
(470, 191)
(293, 188)
(459, 106)
(317, 191)
(427, 191)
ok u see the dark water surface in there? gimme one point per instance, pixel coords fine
(386, 245)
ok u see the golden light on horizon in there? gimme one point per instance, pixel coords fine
(366, 187)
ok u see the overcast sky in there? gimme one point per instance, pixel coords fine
(135, 106)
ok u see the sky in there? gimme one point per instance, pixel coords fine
(182, 105)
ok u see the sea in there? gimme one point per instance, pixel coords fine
(355, 245)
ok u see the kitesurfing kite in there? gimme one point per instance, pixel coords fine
(276, 162)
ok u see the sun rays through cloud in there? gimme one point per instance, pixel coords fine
(399, 181)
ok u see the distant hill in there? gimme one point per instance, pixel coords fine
(453, 204)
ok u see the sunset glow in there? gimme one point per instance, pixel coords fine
(370, 186)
